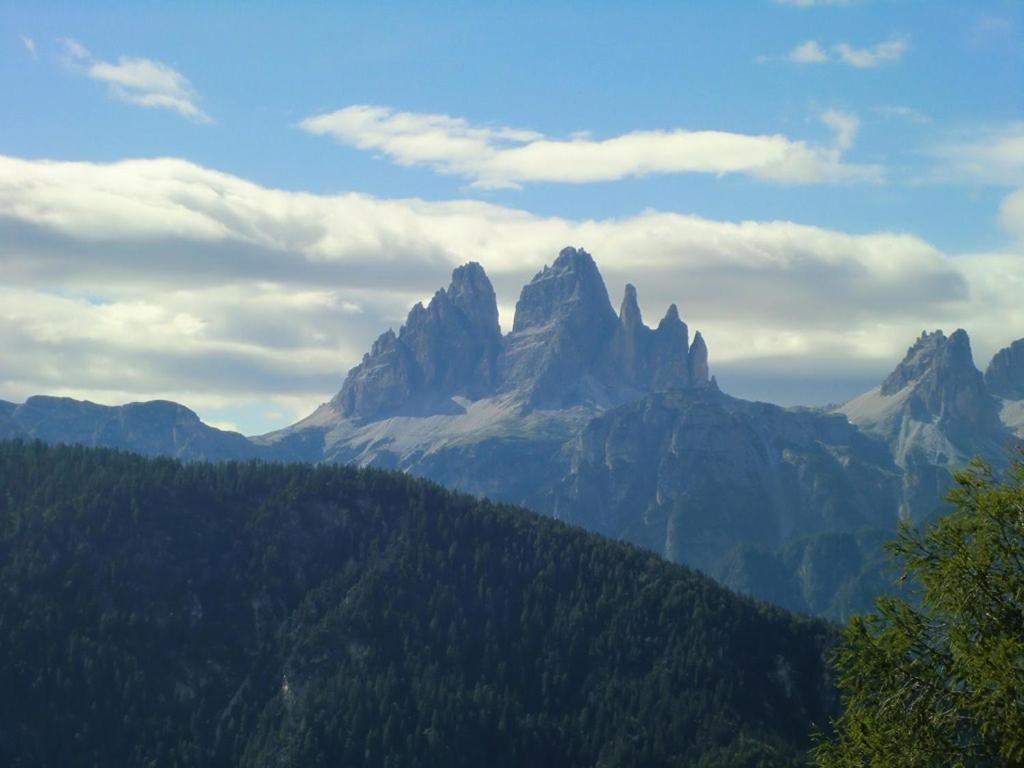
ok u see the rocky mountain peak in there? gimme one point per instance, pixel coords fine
(629, 311)
(671, 318)
(935, 412)
(571, 289)
(1005, 374)
(471, 291)
(930, 352)
(698, 362)
(945, 382)
(567, 347)
(450, 347)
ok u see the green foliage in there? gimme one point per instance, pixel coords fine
(942, 683)
(244, 614)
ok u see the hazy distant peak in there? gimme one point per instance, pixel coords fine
(1005, 373)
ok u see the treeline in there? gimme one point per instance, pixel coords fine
(160, 614)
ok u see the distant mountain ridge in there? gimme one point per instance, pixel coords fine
(154, 428)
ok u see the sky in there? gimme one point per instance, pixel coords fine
(224, 204)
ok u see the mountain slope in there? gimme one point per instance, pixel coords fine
(692, 473)
(257, 615)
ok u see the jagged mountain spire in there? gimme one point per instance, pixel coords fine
(571, 290)
(698, 361)
(567, 346)
(629, 311)
(450, 347)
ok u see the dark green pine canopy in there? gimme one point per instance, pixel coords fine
(160, 614)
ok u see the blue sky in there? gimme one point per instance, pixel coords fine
(902, 118)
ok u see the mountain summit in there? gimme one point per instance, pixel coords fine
(935, 413)
(448, 348)
(567, 347)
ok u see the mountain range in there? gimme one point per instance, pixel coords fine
(595, 418)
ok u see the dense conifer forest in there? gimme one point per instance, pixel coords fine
(160, 614)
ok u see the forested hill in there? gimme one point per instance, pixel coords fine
(160, 614)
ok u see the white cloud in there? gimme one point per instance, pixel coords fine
(862, 58)
(30, 45)
(809, 52)
(161, 278)
(508, 157)
(844, 124)
(1011, 214)
(812, 52)
(140, 81)
(901, 112)
(986, 155)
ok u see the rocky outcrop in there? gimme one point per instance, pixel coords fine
(1005, 373)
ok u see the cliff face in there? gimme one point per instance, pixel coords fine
(692, 473)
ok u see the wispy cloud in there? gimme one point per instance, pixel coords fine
(813, 52)
(140, 81)
(1011, 214)
(991, 155)
(808, 53)
(30, 45)
(863, 58)
(901, 112)
(495, 157)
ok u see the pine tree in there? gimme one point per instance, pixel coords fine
(942, 682)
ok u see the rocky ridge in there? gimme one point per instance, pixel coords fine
(567, 347)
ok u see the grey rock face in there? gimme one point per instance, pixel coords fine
(935, 413)
(156, 428)
(563, 326)
(691, 473)
(448, 348)
(567, 347)
(1005, 373)
(946, 385)
(698, 362)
